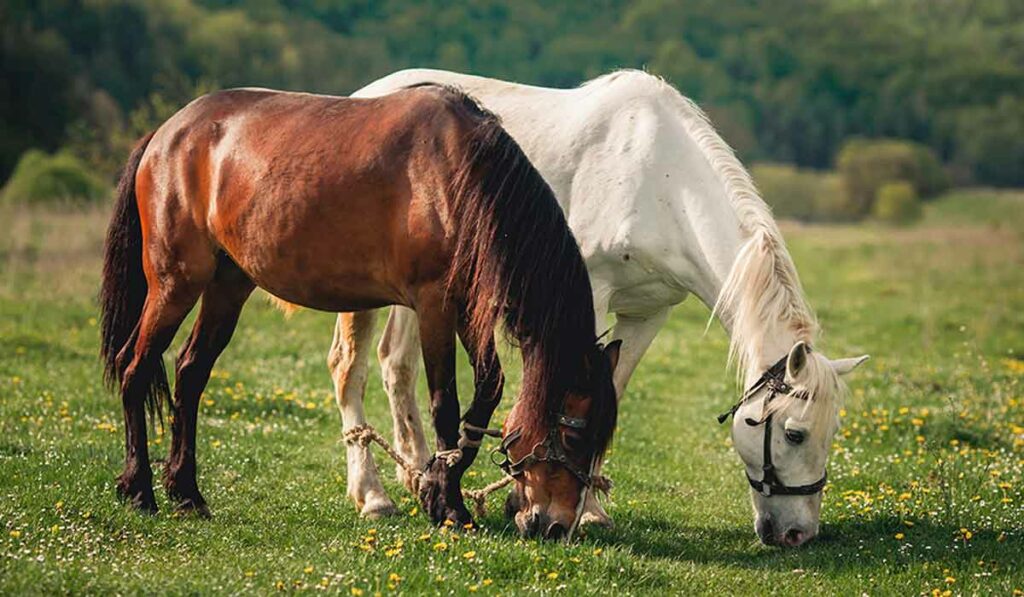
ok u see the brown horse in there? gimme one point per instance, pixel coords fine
(420, 199)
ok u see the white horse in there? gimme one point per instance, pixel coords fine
(661, 208)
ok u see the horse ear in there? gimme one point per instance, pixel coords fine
(797, 359)
(612, 352)
(844, 366)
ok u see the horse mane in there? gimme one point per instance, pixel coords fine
(517, 262)
(762, 295)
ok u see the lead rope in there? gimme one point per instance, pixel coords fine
(365, 434)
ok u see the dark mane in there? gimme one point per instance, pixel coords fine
(517, 261)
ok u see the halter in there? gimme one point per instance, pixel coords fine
(548, 450)
(774, 380)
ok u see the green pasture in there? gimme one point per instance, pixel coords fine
(926, 478)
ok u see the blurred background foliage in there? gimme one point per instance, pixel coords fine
(929, 92)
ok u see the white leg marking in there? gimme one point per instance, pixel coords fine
(399, 353)
(347, 360)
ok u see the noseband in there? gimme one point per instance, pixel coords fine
(550, 449)
(774, 382)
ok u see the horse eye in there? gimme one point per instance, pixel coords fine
(572, 441)
(794, 437)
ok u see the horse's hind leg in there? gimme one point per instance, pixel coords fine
(221, 305)
(166, 306)
(399, 354)
(353, 342)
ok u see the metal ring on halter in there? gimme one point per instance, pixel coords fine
(774, 381)
(552, 452)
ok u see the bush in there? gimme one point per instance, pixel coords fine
(43, 178)
(801, 194)
(866, 165)
(897, 203)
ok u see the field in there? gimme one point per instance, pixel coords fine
(927, 474)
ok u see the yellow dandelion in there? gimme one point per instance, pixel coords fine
(950, 580)
(15, 534)
(900, 536)
(598, 551)
(469, 555)
(307, 569)
(440, 546)
(414, 511)
(473, 588)
(394, 577)
(356, 591)
(552, 575)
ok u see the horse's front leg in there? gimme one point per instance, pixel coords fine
(441, 485)
(488, 384)
(636, 334)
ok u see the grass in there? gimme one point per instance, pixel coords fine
(926, 477)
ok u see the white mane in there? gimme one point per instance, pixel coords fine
(762, 295)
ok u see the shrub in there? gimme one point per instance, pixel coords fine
(897, 203)
(801, 194)
(44, 178)
(866, 165)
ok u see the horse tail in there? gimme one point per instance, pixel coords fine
(124, 287)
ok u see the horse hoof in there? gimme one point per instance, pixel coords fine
(189, 507)
(138, 496)
(411, 482)
(375, 509)
(459, 517)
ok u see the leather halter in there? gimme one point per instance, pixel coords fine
(774, 381)
(550, 449)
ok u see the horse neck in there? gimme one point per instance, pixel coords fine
(726, 218)
(718, 243)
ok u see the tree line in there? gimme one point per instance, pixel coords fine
(786, 80)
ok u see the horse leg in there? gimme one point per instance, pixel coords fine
(440, 488)
(165, 308)
(636, 334)
(221, 305)
(399, 355)
(488, 383)
(353, 341)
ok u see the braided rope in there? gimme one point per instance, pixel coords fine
(365, 434)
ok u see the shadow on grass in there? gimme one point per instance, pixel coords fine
(842, 546)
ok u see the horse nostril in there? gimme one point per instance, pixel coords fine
(794, 537)
(766, 530)
(555, 531)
